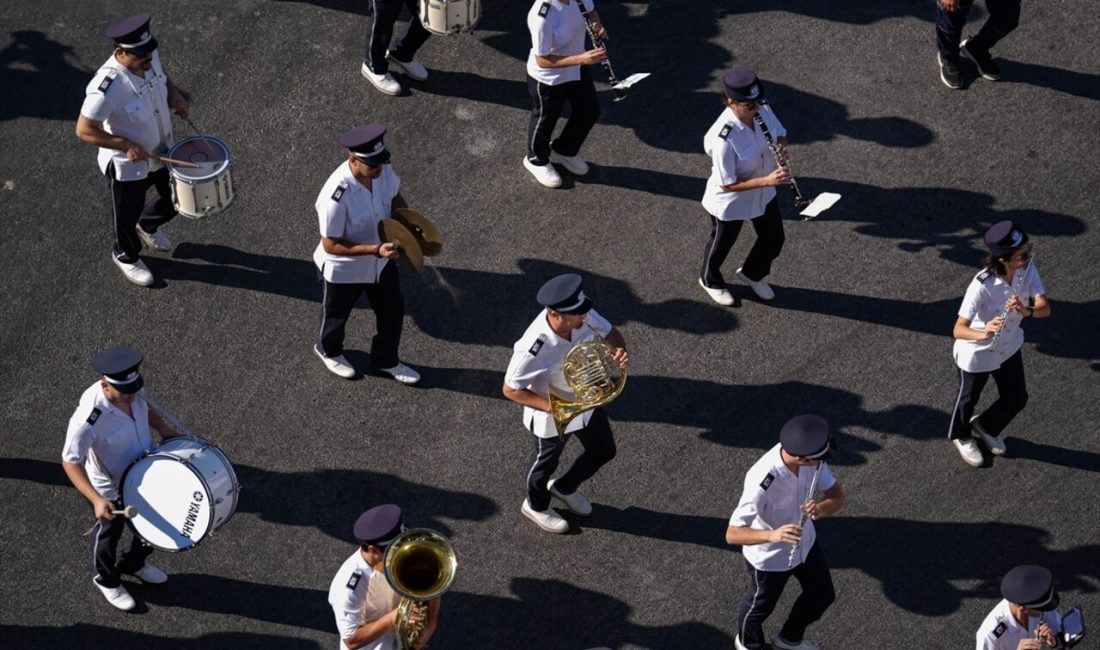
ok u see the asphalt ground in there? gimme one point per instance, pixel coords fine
(859, 331)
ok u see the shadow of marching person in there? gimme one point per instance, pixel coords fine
(230, 267)
(1062, 456)
(34, 470)
(1078, 84)
(19, 637)
(578, 618)
(38, 81)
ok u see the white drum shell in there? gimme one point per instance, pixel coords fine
(182, 491)
(199, 197)
(444, 17)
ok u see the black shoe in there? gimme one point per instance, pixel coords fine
(986, 67)
(949, 73)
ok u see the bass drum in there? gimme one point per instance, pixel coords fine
(449, 16)
(183, 490)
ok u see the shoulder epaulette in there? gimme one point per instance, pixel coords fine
(1000, 629)
(339, 192)
(536, 346)
(767, 482)
(108, 79)
(353, 581)
(94, 415)
(984, 275)
(725, 132)
(544, 9)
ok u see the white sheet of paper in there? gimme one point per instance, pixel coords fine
(823, 202)
(631, 80)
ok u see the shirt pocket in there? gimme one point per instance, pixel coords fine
(138, 111)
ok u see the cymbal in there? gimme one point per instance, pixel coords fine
(426, 232)
(411, 254)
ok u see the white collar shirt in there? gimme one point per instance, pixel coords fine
(347, 594)
(739, 152)
(772, 497)
(347, 210)
(985, 299)
(1001, 631)
(131, 107)
(536, 365)
(557, 29)
(106, 440)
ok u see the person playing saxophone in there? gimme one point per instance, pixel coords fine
(535, 370)
(765, 525)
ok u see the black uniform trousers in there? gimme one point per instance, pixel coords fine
(131, 209)
(765, 588)
(385, 299)
(1004, 16)
(723, 235)
(108, 566)
(380, 22)
(1011, 398)
(548, 102)
(599, 449)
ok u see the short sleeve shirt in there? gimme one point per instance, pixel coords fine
(1000, 631)
(772, 497)
(346, 209)
(106, 440)
(131, 107)
(739, 152)
(536, 365)
(347, 594)
(985, 299)
(557, 29)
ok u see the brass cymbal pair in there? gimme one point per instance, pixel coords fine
(415, 235)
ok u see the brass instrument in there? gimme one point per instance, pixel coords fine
(419, 565)
(593, 375)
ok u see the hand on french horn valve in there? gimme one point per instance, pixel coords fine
(789, 534)
(622, 357)
(389, 250)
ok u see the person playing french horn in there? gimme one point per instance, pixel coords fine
(535, 373)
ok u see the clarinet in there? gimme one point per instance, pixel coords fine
(802, 520)
(598, 42)
(1015, 294)
(799, 202)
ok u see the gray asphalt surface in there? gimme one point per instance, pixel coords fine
(859, 332)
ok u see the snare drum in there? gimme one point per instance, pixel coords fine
(449, 16)
(207, 189)
(182, 491)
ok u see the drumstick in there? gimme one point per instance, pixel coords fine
(198, 133)
(129, 512)
(174, 161)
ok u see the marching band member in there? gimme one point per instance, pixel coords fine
(1004, 16)
(535, 370)
(364, 603)
(125, 114)
(353, 260)
(556, 73)
(108, 432)
(741, 187)
(989, 338)
(383, 51)
(1025, 619)
(775, 496)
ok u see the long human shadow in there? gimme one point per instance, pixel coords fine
(291, 498)
(919, 563)
(295, 606)
(33, 470)
(85, 635)
(38, 80)
(1064, 457)
(650, 181)
(1079, 84)
(578, 618)
(230, 267)
(666, 526)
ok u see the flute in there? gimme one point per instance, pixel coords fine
(1019, 284)
(802, 520)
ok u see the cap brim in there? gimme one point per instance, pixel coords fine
(130, 388)
(382, 158)
(1053, 604)
(583, 308)
(142, 50)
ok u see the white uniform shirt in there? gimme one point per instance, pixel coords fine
(1000, 631)
(131, 107)
(536, 365)
(346, 209)
(557, 29)
(739, 152)
(353, 604)
(772, 498)
(106, 440)
(985, 299)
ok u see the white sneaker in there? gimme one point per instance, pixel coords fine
(546, 174)
(137, 272)
(151, 575)
(337, 365)
(384, 82)
(969, 451)
(575, 164)
(156, 240)
(547, 520)
(996, 444)
(761, 288)
(737, 643)
(117, 596)
(402, 373)
(722, 295)
(783, 644)
(415, 69)
(578, 504)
